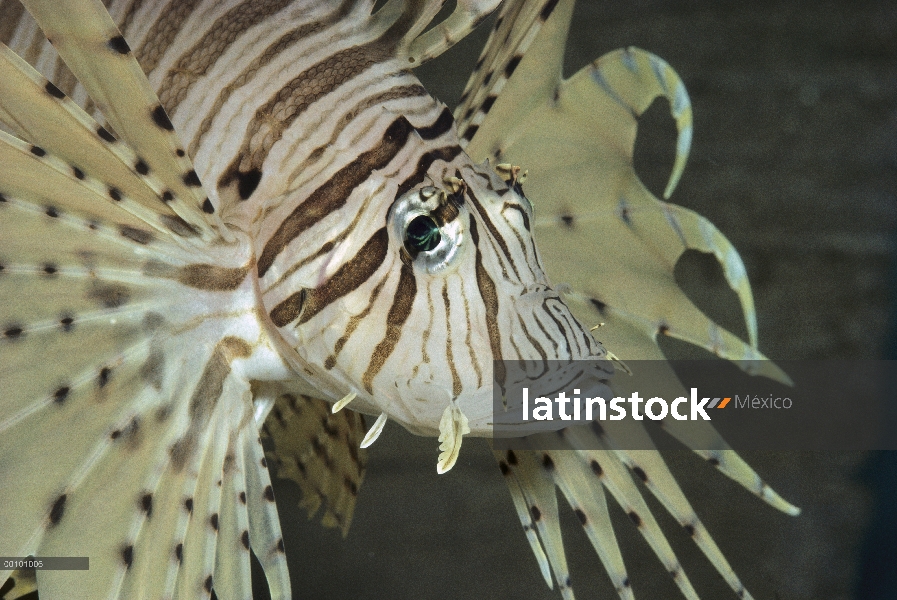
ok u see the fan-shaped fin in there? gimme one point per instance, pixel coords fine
(39, 113)
(159, 549)
(318, 450)
(577, 147)
(650, 467)
(32, 174)
(608, 468)
(100, 447)
(87, 40)
(700, 436)
(103, 520)
(103, 439)
(576, 137)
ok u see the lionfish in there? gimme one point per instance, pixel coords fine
(219, 217)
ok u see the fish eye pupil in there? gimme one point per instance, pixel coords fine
(422, 234)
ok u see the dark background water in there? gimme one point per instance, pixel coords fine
(795, 160)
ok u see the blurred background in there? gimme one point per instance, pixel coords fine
(795, 160)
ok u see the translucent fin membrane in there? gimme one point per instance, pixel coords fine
(614, 247)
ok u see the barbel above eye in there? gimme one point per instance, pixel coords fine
(428, 223)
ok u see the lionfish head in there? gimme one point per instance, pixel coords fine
(400, 272)
(441, 279)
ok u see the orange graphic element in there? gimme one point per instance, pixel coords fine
(724, 403)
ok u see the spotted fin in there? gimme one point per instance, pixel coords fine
(583, 473)
(126, 423)
(317, 449)
(589, 504)
(36, 111)
(84, 35)
(517, 26)
(525, 516)
(698, 435)
(601, 232)
(114, 461)
(576, 137)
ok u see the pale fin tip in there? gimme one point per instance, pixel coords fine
(452, 427)
(374, 432)
(345, 401)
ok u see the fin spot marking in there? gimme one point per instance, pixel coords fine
(140, 236)
(192, 179)
(160, 118)
(54, 91)
(105, 374)
(536, 513)
(57, 510)
(105, 135)
(146, 504)
(141, 167)
(110, 295)
(13, 332)
(119, 44)
(61, 394)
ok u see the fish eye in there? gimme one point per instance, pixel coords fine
(422, 235)
(429, 226)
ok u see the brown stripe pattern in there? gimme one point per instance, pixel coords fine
(310, 128)
(332, 195)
